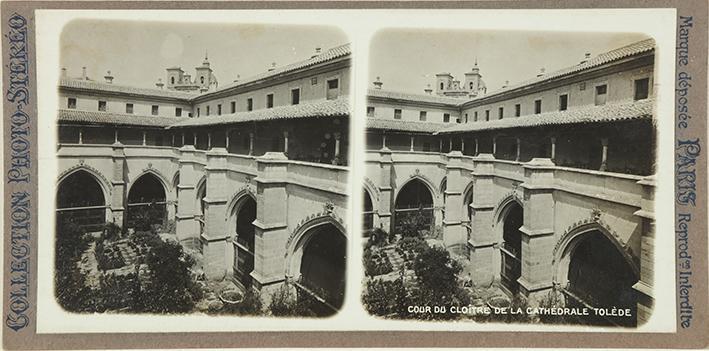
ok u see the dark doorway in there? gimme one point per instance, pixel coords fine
(80, 200)
(511, 247)
(368, 213)
(146, 202)
(414, 203)
(322, 267)
(244, 242)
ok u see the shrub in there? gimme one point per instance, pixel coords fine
(410, 247)
(69, 283)
(414, 225)
(108, 257)
(376, 262)
(285, 302)
(111, 232)
(385, 298)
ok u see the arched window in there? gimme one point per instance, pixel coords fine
(441, 85)
(172, 80)
(201, 79)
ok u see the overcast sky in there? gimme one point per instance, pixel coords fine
(407, 60)
(137, 53)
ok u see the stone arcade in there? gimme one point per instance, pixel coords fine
(254, 173)
(544, 184)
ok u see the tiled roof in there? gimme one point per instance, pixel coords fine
(612, 112)
(113, 88)
(109, 118)
(324, 108)
(610, 56)
(387, 94)
(403, 126)
(331, 54)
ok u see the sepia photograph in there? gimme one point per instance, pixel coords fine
(202, 168)
(510, 177)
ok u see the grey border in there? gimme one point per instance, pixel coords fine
(694, 337)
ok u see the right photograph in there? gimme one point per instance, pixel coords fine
(510, 177)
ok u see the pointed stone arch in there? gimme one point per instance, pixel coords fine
(103, 181)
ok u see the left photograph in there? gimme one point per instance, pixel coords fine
(202, 168)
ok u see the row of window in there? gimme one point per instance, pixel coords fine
(641, 92)
(333, 86)
(423, 115)
(103, 107)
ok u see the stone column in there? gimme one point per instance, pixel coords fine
(226, 139)
(187, 226)
(251, 144)
(454, 234)
(285, 142)
(215, 237)
(118, 184)
(538, 240)
(482, 243)
(494, 146)
(173, 140)
(476, 147)
(183, 139)
(412, 144)
(209, 140)
(271, 227)
(519, 145)
(604, 154)
(450, 144)
(81, 136)
(386, 197)
(115, 135)
(553, 149)
(337, 147)
(440, 145)
(194, 139)
(644, 287)
(145, 137)
(384, 140)
(462, 145)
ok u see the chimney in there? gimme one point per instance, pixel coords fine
(63, 72)
(586, 57)
(507, 82)
(317, 53)
(273, 66)
(378, 84)
(159, 84)
(238, 76)
(428, 89)
(108, 77)
(83, 73)
(541, 72)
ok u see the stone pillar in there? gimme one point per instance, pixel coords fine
(538, 240)
(384, 140)
(81, 136)
(494, 146)
(271, 227)
(604, 154)
(173, 140)
(285, 142)
(183, 139)
(145, 137)
(194, 139)
(338, 136)
(118, 184)
(226, 139)
(251, 143)
(386, 198)
(519, 145)
(115, 135)
(462, 145)
(412, 144)
(476, 147)
(215, 237)
(209, 140)
(644, 287)
(187, 226)
(450, 144)
(482, 243)
(553, 149)
(440, 145)
(454, 234)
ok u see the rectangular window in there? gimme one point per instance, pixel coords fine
(102, 106)
(198, 112)
(249, 104)
(219, 109)
(457, 120)
(269, 101)
(563, 102)
(208, 110)
(233, 107)
(154, 110)
(178, 111)
(397, 113)
(295, 96)
(518, 110)
(601, 94)
(466, 118)
(537, 107)
(333, 89)
(475, 116)
(71, 103)
(370, 111)
(446, 118)
(314, 81)
(487, 115)
(642, 88)
(422, 116)
(500, 112)
(129, 108)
